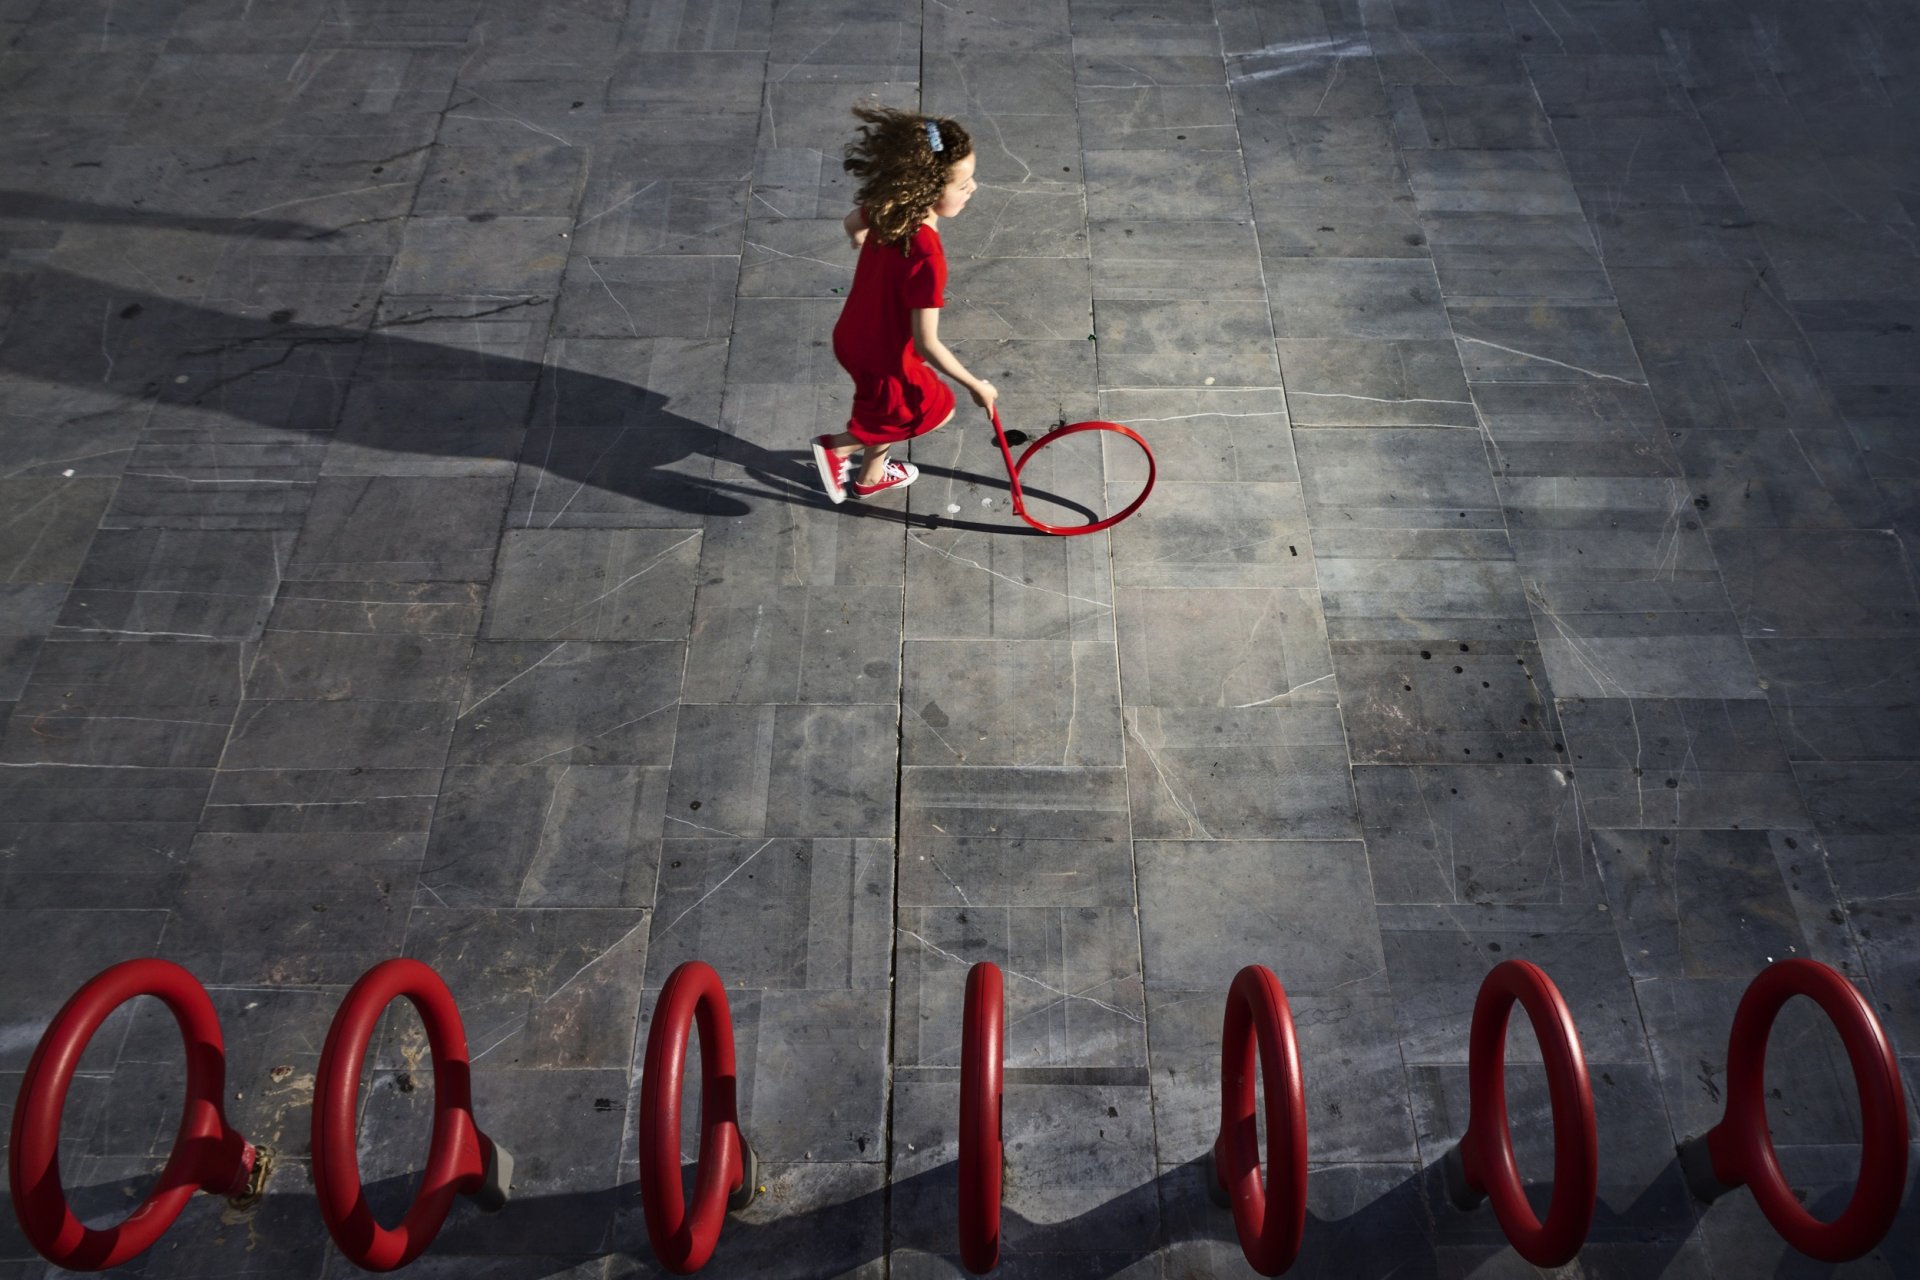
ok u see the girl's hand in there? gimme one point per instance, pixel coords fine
(984, 394)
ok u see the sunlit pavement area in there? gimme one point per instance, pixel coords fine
(409, 547)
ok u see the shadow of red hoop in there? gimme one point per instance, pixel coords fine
(461, 1160)
(982, 1062)
(1016, 465)
(1739, 1152)
(1482, 1165)
(728, 1169)
(1269, 1221)
(208, 1153)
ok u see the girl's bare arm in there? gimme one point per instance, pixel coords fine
(926, 341)
(855, 224)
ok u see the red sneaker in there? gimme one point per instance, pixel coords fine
(896, 475)
(833, 470)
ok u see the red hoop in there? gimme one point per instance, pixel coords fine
(1269, 1226)
(1739, 1151)
(461, 1160)
(208, 1153)
(1015, 467)
(982, 1062)
(1482, 1165)
(727, 1170)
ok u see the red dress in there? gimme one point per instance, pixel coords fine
(896, 394)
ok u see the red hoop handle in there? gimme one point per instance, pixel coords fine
(1484, 1157)
(461, 1160)
(208, 1153)
(1014, 468)
(684, 1241)
(1269, 1222)
(1741, 1149)
(982, 1063)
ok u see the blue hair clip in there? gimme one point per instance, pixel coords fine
(933, 136)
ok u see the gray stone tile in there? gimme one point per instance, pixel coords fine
(1418, 584)
(1503, 116)
(291, 910)
(1321, 218)
(1176, 260)
(1017, 220)
(1355, 298)
(575, 702)
(795, 644)
(586, 584)
(1840, 699)
(664, 84)
(1022, 298)
(783, 771)
(456, 335)
(66, 955)
(1738, 1237)
(303, 801)
(1057, 917)
(400, 529)
(251, 478)
(1641, 639)
(1444, 701)
(53, 429)
(1364, 1220)
(560, 835)
(1350, 1057)
(1198, 534)
(141, 583)
(1223, 649)
(1156, 117)
(340, 735)
(1575, 429)
(1139, 183)
(141, 703)
(1222, 434)
(1501, 834)
(1609, 84)
(1332, 75)
(681, 296)
(1020, 703)
(53, 519)
(1699, 302)
(1437, 956)
(1505, 343)
(1014, 802)
(88, 861)
(1607, 528)
(1185, 343)
(1512, 182)
(966, 579)
(511, 255)
(327, 666)
(1378, 477)
(426, 428)
(787, 340)
(1340, 382)
(1664, 224)
(537, 988)
(794, 257)
(27, 611)
(778, 914)
(1209, 909)
(628, 213)
(976, 84)
(1281, 149)
(1833, 584)
(1721, 904)
(1680, 762)
(1079, 1174)
(813, 1216)
(1476, 272)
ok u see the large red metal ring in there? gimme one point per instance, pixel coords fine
(1016, 466)
(684, 1241)
(461, 1160)
(982, 1061)
(1269, 1222)
(208, 1153)
(1742, 1149)
(1485, 1155)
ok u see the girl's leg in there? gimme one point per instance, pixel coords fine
(872, 464)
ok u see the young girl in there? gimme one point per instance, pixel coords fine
(913, 171)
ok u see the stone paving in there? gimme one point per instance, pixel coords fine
(407, 546)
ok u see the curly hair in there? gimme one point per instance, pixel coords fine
(901, 175)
